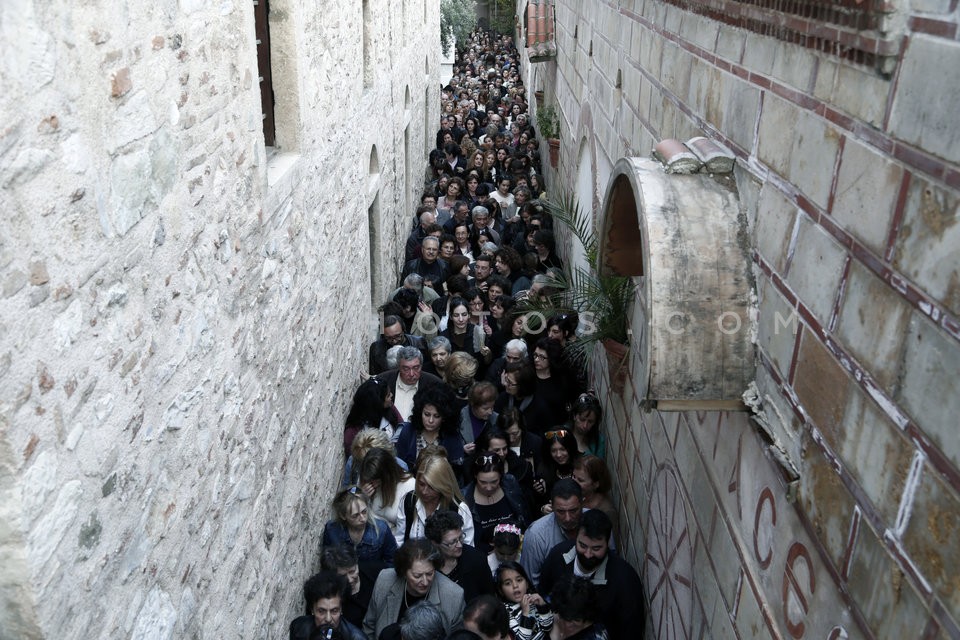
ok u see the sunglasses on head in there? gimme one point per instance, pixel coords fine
(556, 435)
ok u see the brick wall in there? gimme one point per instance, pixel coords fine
(179, 333)
(850, 181)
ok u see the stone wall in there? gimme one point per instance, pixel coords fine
(849, 178)
(184, 311)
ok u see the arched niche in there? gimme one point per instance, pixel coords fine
(680, 237)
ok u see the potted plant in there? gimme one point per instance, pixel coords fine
(602, 302)
(548, 123)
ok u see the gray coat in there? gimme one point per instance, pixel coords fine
(388, 595)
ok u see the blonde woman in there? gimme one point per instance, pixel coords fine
(436, 488)
(384, 483)
(355, 524)
(366, 440)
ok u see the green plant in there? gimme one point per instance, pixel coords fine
(458, 18)
(548, 122)
(502, 16)
(603, 302)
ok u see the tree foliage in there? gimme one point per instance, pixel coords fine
(458, 18)
(501, 16)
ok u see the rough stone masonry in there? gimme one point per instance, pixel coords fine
(179, 329)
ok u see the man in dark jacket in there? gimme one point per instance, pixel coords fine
(324, 595)
(619, 587)
(391, 336)
(429, 265)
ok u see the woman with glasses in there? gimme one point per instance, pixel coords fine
(558, 456)
(355, 524)
(494, 497)
(554, 384)
(436, 489)
(462, 563)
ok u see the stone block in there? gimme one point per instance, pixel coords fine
(741, 103)
(794, 66)
(773, 147)
(675, 73)
(730, 44)
(815, 147)
(872, 324)
(931, 6)
(931, 538)
(821, 384)
(777, 327)
(884, 595)
(920, 115)
(700, 31)
(925, 249)
(827, 503)
(776, 218)
(862, 93)
(816, 269)
(759, 53)
(874, 451)
(931, 368)
(866, 194)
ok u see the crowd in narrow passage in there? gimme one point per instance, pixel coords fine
(476, 496)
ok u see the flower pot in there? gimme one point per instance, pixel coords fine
(538, 95)
(617, 363)
(554, 144)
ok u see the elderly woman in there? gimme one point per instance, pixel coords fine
(462, 563)
(436, 488)
(384, 483)
(355, 524)
(414, 578)
(433, 422)
(438, 349)
(494, 497)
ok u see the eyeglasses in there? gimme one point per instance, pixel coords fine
(456, 542)
(540, 356)
(556, 435)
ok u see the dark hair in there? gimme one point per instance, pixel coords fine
(526, 377)
(508, 417)
(507, 538)
(457, 283)
(575, 599)
(486, 461)
(512, 565)
(326, 584)
(446, 237)
(566, 488)
(567, 322)
(490, 433)
(545, 237)
(463, 634)
(596, 524)
(412, 550)
(443, 399)
(458, 301)
(439, 522)
(484, 257)
(554, 354)
(587, 402)
(340, 556)
(367, 408)
(500, 281)
(457, 262)
(405, 298)
(489, 615)
(567, 440)
(511, 258)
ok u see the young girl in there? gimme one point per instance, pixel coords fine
(530, 616)
(507, 540)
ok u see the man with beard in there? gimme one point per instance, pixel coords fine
(558, 526)
(620, 592)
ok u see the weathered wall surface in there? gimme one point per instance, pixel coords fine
(850, 181)
(183, 316)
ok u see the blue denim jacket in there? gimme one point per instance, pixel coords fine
(377, 544)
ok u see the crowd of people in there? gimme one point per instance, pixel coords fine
(475, 500)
